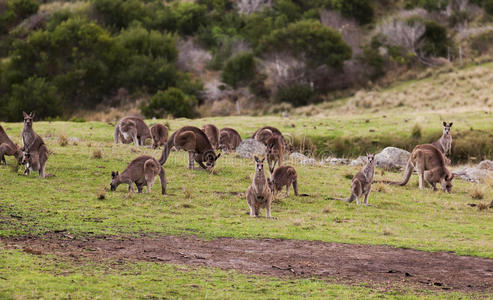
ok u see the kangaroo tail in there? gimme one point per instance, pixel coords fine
(407, 175)
(348, 199)
(162, 177)
(295, 187)
(166, 149)
(116, 135)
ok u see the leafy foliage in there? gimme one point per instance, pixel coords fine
(170, 102)
(297, 94)
(239, 69)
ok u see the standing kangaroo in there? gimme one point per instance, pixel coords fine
(259, 194)
(444, 143)
(7, 147)
(131, 128)
(159, 134)
(284, 176)
(143, 171)
(274, 151)
(34, 147)
(229, 139)
(193, 140)
(430, 164)
(212, 134)
(361, 183)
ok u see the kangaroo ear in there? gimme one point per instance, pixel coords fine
(219, 155)
(444, 124)
(25, 115)
(113, 174)
(451, 123)
(256, 158)
(117, 173)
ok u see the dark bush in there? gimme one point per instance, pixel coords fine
(25, 8)
(488, 6)
(361, 10)
(190, 17)
(34, 94)
(436, 40)
(239, 70)
(297, 94)
(429, 5)
(119, 14)
(320, 44)
(170, 102)
(483, 42)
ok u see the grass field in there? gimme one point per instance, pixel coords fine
(213, 205)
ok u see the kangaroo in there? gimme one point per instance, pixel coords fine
(361, 183)
(131, 128)
(229, 139)
(31, 140)
(264, 133)
(444, 143)
(259, 194)
(7, 147)
(159, 134)
(284, 176)
(274, 151)
(430, 163)
(193, 140)
(36, 161)
(143, 171)
(212, 134)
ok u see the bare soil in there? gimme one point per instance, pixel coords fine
(348, 263)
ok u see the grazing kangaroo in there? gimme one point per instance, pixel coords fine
(143, 171)
(430, 164)
(159, 134)
(361, 183)
(264, 133)
(131, 128)
(274, 151)
(212, 134)
(259, 194)
(193, 140)
(36, 161)
(284, 176)
(444, 143)
(7, 147)
(229, 139)
(34, 147)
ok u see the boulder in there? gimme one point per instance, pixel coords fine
(303, 159)
(472, 174)
(486, 165)
(358, 161)
(336, 161)
(248, 148)
(392, 158)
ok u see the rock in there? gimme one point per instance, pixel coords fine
(248, 148)
(74, 139)
(472, 174)
(303, 159)
(336, 161)
(358, 161)
(486, 165)
(392, 158)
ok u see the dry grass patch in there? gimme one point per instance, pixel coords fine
(62, 140)
(101, 194)
(477, 192)
(380, 187)
(97, 154)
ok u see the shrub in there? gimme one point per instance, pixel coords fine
(488, 6)
(482, 42)
(34, 94)
(320, 44)
(119, 14)
(297, 94)
(436, 40)
(25, 8)
(170, 102)
(139, 40)
(429, 5)
(361, 10)
(239, 69)
(189, 17)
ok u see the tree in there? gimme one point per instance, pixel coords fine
(239, 69)
(170, 102)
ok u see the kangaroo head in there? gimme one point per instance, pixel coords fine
(259, 164)
(447, 185)
(25, 157)
(28, 118)
(272, 145)
(210, 158)
(370, 158)
(114, 180)
(223, 141)
(19, 155)
(271, 185)
(446, 128)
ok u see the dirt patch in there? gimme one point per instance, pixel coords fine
(346, 263)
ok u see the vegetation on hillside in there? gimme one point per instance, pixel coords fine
(109, 52)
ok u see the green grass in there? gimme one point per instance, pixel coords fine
(205, 205)
(32, 277)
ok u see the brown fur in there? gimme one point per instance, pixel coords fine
(259, 194)
(229, 139)
(34, 147)
(193, 140)
(284, 176)
(361, 183)
(36, 161)
(131, 129)
(7, 147)
(274, 151)
(430, 163)
(444, 143)
(159, 134)
(264, 133)
(141, 171)
(212, 134)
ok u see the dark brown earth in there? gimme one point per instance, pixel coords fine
(348, 263)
